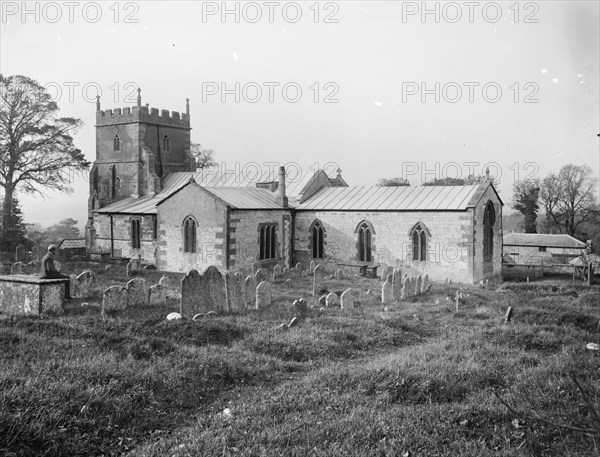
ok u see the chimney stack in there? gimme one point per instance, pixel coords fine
(282, 200)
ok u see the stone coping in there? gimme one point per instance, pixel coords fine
(31, 279)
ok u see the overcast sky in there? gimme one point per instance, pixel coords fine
(385, 90)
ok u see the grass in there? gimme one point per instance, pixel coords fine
(411, 378)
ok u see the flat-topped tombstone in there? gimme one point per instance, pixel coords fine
(86, 281)
(17, 268)
(263, 295)
(234, 291)
(347, 299)
(332, 300)
(318, 279)
(261, 275)
(137, 292)
(387, 290)
(250, 290)
(277, 271)
(114, 299)
(426, 284)
(157, 295)
(24, 294)
(418, 282)
(397, 283)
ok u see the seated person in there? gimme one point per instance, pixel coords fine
(49, 270)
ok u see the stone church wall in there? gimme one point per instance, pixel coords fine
(487, 269)
(121, 236)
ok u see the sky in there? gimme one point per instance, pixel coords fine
(378, 89)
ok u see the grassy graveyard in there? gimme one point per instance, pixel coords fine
(415, 378)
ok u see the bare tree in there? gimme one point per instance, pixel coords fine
(568, 198)
(36, 146)
(204, 157)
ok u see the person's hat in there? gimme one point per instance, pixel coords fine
(52, 247)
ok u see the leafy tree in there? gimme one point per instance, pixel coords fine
(204, 157)
(36, 145)
(393, 182)
(525, 200)
(468, 181)
(13, 230)
(568, 198)
(65, 229)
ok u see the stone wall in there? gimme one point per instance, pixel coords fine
(448, 251)
(484, 269)
(210, 215)
(122, 236)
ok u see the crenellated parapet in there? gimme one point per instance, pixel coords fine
(142, 114)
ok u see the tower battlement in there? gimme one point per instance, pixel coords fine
(141, 113)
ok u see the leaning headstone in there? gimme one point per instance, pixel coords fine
(277, 271)
(332, 300)
(418, 282)
(262, 275)
(387, 291)
(312, 266)
(157, 295)
(234, 291)
(397, 284)
(263, 295)
(137, 292)
(17, 268)
(86, 281)
(318, 279)
(508, 315)
(250, 290)
(300, 308)
(347, 299)
(114, 299)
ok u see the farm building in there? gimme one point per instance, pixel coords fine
(538, 248)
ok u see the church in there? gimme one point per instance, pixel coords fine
(148, 201)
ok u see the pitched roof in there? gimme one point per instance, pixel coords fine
(542, 240)
(72, 243)
(401, 198)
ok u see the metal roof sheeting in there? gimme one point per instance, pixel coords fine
(401, 198)
(542, 240)
(245, 198)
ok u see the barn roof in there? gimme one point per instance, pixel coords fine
(401, 198)
(542, 240)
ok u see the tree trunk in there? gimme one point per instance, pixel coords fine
(6, 214)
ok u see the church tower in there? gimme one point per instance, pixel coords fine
(135, 147)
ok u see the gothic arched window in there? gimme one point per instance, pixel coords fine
(317, 240)
(489, 219)
(189, 235)
(418, 235)
(116, 143)
(365, 233)
(136, 233)
(166, 144)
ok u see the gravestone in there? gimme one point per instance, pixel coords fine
(250, 290)
(298, 267)
(285, 271)
(425, 286)
(190, 292)
(157, 295)
(387, 290)
(300, 308)
(312, 266)
(234, 291)
(386, 272)
(304, 273)
(137, 292)
(165, 281)
(397, 284)
(73, 290)
(261, 275)
(255, 267)
(114, 299)
(332, 300)
(17, 268)
(347, 299)
(339, 274)
(322, 301)
(277, 271)
(132, 267)
(86, 281)
(263, 295)
(19, 253)
(418, 282)
(318, 279)
(214, 295)
(405, 288)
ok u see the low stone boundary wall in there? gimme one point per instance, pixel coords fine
(24, 294)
